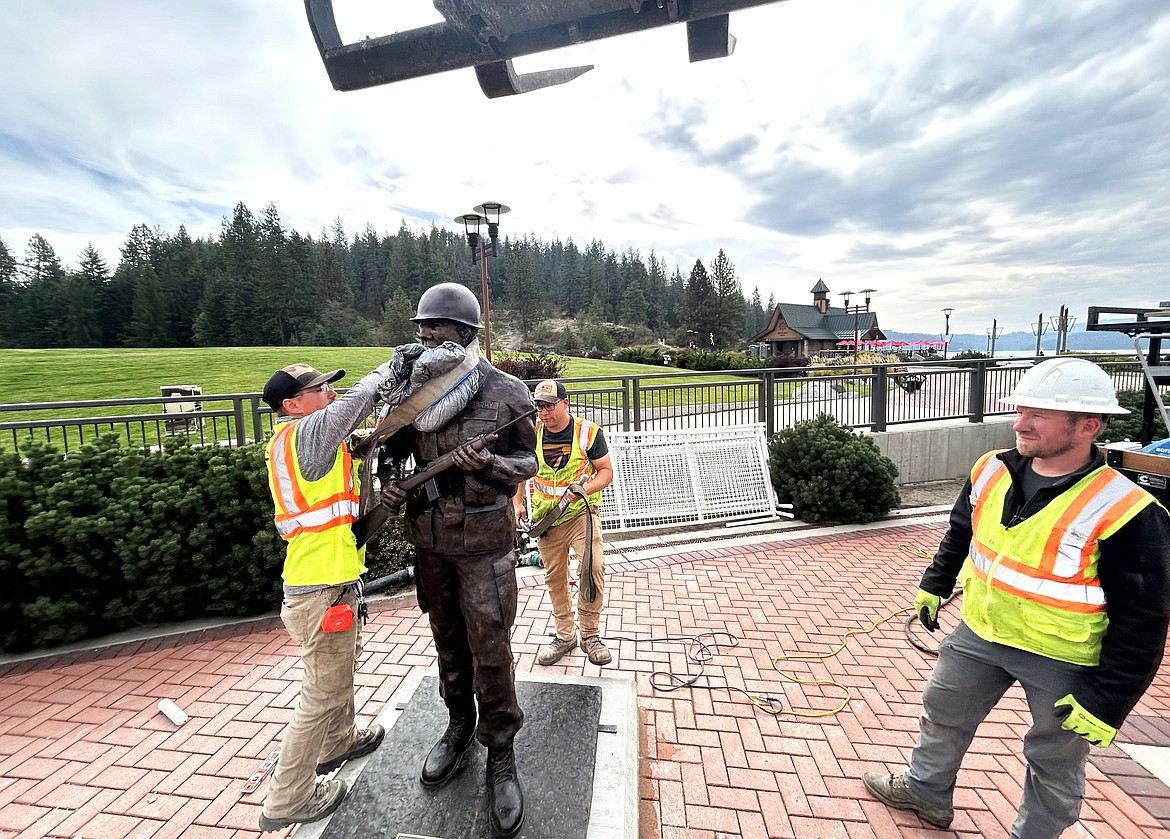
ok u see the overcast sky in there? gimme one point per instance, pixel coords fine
(1000, 158)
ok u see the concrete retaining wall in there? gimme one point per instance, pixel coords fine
(942, 451)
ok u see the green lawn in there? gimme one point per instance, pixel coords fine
(76, 374)
(70, 375)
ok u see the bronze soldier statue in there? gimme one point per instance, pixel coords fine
(463, 530)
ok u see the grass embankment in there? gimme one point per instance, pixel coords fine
(77, 374)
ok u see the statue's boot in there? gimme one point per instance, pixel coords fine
(505, 798)
(446, 756)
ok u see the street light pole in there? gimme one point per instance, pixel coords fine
(488, 213)
(1038, 329)
(856, 312)
(1062, 323)
(994, 332)
(947, 331)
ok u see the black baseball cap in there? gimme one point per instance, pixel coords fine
(287, 382)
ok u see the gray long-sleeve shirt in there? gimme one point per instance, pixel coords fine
(321, 432)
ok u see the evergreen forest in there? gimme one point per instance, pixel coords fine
(260, 284)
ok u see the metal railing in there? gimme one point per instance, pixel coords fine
(869, 396)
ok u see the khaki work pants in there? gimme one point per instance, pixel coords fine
(554, 553)
(322, 726)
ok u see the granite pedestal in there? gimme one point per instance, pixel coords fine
(563, 745)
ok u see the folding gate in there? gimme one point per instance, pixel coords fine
(687, 476)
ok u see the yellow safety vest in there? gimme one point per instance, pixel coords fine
(550, 484)
(1034, 586)
(314, 517)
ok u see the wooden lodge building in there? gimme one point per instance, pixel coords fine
(800, 329)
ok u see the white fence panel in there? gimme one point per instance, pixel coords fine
(687, 476)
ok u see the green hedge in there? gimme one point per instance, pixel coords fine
(1129, 426)
(108, 539)
(830, 473)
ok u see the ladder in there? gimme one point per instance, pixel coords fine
(1147, 327)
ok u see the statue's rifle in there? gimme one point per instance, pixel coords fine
(369, 522)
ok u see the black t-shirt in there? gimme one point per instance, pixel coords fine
(1033, 483)
(558, 445)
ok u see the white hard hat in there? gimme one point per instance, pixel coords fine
(1066, 384)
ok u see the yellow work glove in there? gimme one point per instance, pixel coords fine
(1080, 721)
(926, 608)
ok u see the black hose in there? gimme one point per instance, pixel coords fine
(914, 642)
(398, 578)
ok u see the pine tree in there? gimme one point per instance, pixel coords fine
(45, 310)
(148, 325)
(729, 302)
(526, 285)
(702, 307)
(11, 304)
(182, 275)
(633, 307)
(82, 328)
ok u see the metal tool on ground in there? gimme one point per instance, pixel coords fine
(368, 523)
(257, 777)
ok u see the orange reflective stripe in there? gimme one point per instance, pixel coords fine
(1071, 512)
(584, 433)
(1134, 498)
(294, 512)
(984, 483)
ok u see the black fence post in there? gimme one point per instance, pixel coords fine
(241, 428)
(630, 384)
(978, 388)
(257, 423)
(877, 398)
(764, 407)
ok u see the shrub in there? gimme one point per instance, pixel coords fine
(651, 354)
(827, 472)
(598, 342)
(720, 360)
(107, 539)
(1129, 426)
(568, 342)
(792, 365)
(530, 366)
(388, 550)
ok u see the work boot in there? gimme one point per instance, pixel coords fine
(446, 756)
(555, 650)
(327, 797)
(505, 798)
(365, 741)
(893, 791)
(596, 650)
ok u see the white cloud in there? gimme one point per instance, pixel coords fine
(999, 157)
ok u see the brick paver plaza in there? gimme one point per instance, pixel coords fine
(84, 751)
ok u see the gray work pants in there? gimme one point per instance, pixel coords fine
(971, 676)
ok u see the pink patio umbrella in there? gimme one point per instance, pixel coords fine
(847, 343)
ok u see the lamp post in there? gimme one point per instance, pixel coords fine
(1062, 323)
(993, 332)
(488, 213)
(947, 331)
(1038, 329)
(856, 311)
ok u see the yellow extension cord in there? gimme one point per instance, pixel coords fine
(768, 703)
